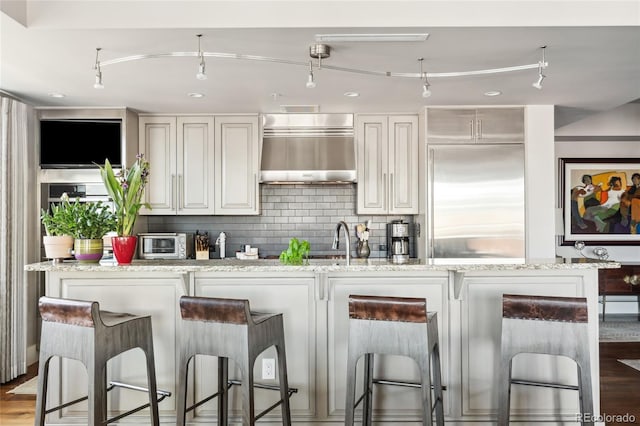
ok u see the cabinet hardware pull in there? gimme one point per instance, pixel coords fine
(471, 136)
(392, 194)
(479, 129)
(173, 191)
(180, 192)
(384, 189)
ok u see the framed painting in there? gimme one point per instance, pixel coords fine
(601, 200)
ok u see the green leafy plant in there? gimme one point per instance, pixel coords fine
(58, 220)
(79, 220)
(126, 189)
(91, 220)
(297, 252)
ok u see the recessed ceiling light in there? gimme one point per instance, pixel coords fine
(195, 95)
(352, 94)
(371, 37)
(56, 95)
(493, 93)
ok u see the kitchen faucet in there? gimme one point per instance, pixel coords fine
(336, 239)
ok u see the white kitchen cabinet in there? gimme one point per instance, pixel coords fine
(237, 165)
(387, 164)
(180, 151)
(475, 125)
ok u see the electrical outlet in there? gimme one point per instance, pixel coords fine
(268, 368)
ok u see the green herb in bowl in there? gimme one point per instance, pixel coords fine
(297, 253)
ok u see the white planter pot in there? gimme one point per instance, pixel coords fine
(58, 247)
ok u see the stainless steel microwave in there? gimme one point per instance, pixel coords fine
(166, 245)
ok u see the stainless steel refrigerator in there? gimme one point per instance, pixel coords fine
(475, 206)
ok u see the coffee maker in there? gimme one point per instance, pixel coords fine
(398, 241)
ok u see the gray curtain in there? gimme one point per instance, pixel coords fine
(14, 236)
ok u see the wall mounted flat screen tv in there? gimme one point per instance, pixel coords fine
(80, 143)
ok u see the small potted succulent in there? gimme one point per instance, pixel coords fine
(57, 222)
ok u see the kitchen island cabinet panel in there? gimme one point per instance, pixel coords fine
(391, 404)
(294, 297)
(481, 339)
(314, 301)
(154, 294)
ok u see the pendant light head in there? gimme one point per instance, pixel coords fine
(538, 83)
(201, 75)
(426, 91)
(310, 81)
(542, 64)
(98, 82)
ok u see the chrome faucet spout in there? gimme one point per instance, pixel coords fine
(336, 239)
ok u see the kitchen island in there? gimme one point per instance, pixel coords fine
(313, 299)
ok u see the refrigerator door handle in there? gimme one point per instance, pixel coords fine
(430, 249)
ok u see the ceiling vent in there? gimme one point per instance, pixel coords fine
(300, 108)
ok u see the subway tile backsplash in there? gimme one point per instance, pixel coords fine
(308, 212)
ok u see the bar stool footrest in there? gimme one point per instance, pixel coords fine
(160, 394)
(401, 383)
(231, 383)
(544, 384)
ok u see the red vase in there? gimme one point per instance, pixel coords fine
(124, 248)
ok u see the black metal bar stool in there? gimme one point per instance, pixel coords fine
(227, 328)
(393, 326)
(79, 330)
(545, 325)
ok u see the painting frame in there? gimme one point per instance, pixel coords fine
(589, 214)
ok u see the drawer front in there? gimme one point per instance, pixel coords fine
(611, 281)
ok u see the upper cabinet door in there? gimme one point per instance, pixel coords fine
(403, 164)
(372, 163)
(157, 141)
(237, 165)
(446, 125)
(500, 125)
(195, 151)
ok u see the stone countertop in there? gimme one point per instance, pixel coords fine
(324, 265)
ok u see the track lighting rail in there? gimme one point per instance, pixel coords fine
(305, 64)
(319, 52)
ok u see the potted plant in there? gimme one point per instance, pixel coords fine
(91, 221)
(296, 253)
(126, 189)
(58, 241)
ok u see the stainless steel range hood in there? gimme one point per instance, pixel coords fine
(308, 148)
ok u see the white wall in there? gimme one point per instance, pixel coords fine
(539, 178)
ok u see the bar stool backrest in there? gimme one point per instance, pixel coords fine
(67, 311)
(380, 308)
(210, 309)
(544, 308)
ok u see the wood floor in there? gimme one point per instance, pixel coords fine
(619, 388)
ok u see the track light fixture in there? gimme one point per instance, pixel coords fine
(310, 82)
(319, 51)
(426, 92)
(98, 83)
(201, 68)
(541, 64)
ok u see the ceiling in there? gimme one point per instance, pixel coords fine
(47, 47)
